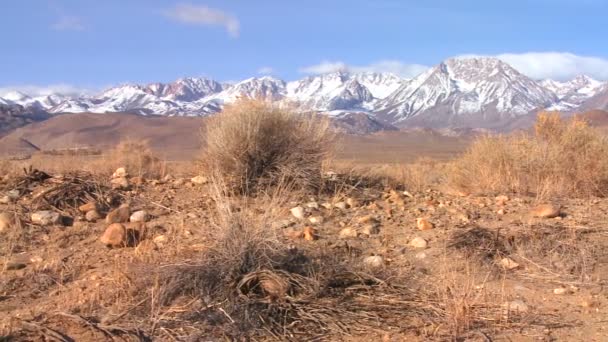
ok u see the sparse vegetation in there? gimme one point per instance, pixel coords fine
(252, 144)
(561, 158)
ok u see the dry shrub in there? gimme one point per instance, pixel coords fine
(135, 156)
(561, 158)
(253, 144)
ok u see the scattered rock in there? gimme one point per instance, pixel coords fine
(340, 205)
(423, 224)
(114, 236)
(139, 216)
(352, 202)
(418, 242)
(516, 306)
(5, 200)
(121, 172)
(560, 291)
(316, 219)
(179, 182)
(326, 205)
(348, 233)
(546, 211)
(374, 261)
(309, 233)
(297, 212)
(508, 263)
(88, 207)
(501, 199)
(199, 180)
(501, 211)
(6, 221)
(45, 218)
(119, 215)
(92, 216)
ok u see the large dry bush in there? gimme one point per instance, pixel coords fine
(252, 144)
(560, 158)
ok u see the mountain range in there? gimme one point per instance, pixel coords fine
(477, 92)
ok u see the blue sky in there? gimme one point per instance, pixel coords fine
(93, 44)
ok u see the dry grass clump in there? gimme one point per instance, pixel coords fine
(253, 144)
(560, 158)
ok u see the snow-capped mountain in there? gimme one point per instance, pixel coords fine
(463, 90)
(460, 92)
(573, 93)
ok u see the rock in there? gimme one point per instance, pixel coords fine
(420, 256)
(309, 233)
(5, 200)
(119, 215)
(347, 233)
(139, 216)
(92, 216)
(408, 194)
(88, 207)
(316, 219)
(340, 205)
(45, 218)
(501, 200)
(508, 263)
(501, 211)
(418, 242)
(114, 236)
(167, 178)
(423, 224)
(546, 211)
(312, 205)
(352, 202)
(516, 306)
(121, 172)
(297, 212)
(199, 180)
(179, 182)
(370, 229)
(560, 291)
(120, 183)
(13, 195)
(6, 221)
(160, 240)
(374, 261)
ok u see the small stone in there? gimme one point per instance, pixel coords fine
(326, 205)
(92, 216)
(312, 205)
(179, 182)
(119, 215)
(5, 200)
(408, 194)
(501, 211)
(420, 256)
(6, 221)
(418, 242)
(374, 261)
(348, 233)
(423, 224)
(340, 205)
(46, 217)
(121, 172)
(114, 236)
(120, 183)
(501, 199)
(13, 194)
(139, 216)
(88, 207)
(508, 263)
(199, 180)
(297, 212)
(309, 233)
(316, 219)
(546, 211)
(167, 178)
(517, 306)
(160, 240)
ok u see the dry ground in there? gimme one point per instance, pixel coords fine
(59, 283)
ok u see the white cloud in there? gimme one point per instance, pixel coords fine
(265, 70)
(36, 90)
(557, 65)
(203, 15)
(68, 23)
(392, 66)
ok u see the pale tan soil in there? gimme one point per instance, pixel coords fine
(74, 274)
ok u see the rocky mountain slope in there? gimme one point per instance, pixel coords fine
(459, 92)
